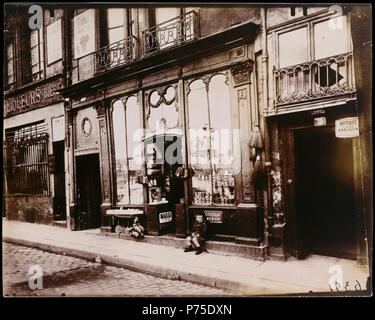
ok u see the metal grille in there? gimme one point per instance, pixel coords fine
(313, 80)
(116, 54)
(26, 160)
(173, 32)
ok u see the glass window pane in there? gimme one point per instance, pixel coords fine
(119, 136)
(34, 55)
(199, 143)
(293, 47)
(165, 14)
(10, 68)
(135, 147)
(10, 51)
(330, 38)
(34, 38)
(221, 141)
(116, 34)
(116, 17)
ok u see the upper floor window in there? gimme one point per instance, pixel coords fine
(37, 54)
(169, 27)
(330, 38)
(11, 76)
(313, 40)
(119, 24)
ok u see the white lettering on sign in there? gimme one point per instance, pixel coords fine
(165, 217)
(347, 127)
(214, 216)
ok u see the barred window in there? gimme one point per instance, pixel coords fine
(26, 160)
(37, 54)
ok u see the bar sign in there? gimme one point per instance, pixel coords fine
(347, 127)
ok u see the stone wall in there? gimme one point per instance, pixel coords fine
(29, 208)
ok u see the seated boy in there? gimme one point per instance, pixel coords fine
(198, 235)
(136, 230)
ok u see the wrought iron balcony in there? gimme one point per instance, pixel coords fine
(116, 54)
(322, 78)
(171, 33)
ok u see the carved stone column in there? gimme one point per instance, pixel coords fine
(104, 157)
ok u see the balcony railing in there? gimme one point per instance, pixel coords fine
(173, 32)
(115, 54)
(322, 78)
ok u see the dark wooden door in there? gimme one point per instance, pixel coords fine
(88, 191)
(321, 192)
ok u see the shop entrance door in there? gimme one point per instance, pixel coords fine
(324, 191)
(88, 191)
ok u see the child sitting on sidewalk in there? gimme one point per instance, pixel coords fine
(136, 230)
(198, 235)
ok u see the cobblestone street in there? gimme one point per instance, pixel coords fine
(69, 276)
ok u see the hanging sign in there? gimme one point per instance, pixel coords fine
(58, 129)
(347, 127)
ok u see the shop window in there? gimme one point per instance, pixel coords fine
(127, 124)
(162, 109)
(11, 76)
(26, 160)
(210, 141)
(37, 54)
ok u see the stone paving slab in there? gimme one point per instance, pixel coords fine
(238, 274)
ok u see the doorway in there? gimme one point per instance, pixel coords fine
(324, 189)
(88, 191)
(59, 199)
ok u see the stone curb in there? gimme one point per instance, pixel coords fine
(159, 271)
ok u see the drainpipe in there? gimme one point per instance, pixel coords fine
(268, 213)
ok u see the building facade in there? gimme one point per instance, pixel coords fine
(249, 115)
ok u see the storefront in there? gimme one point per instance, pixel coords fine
(172, 143)
(34, 161)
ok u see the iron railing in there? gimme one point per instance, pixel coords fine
(313, 80)
(115, 54)
(171, 33)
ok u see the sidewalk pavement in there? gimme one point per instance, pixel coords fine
(239, 276)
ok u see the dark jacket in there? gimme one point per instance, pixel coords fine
(201, 229)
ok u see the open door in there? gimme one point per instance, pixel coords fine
(88, 191)
(322, 193)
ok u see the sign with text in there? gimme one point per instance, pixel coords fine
(36, 97)
(347, 127)
(54, 48)
(84, 33)
(165, 217)
(214, 216)
(58, 129)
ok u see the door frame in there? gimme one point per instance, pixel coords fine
(294, 240)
